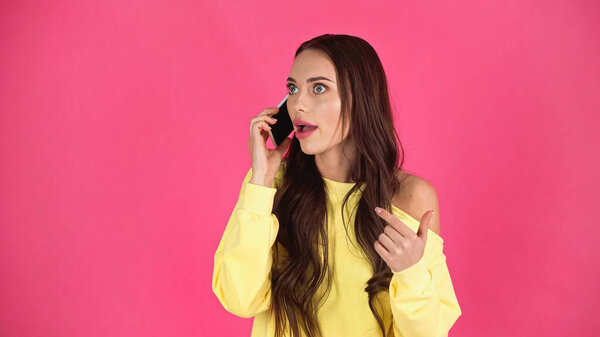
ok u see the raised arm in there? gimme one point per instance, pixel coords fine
(243, 260)
(422, 296)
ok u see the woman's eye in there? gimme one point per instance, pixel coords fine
(290, 86)
(320, 85)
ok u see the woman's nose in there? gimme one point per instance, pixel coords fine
(299, 102)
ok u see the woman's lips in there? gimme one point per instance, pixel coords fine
(304, 134)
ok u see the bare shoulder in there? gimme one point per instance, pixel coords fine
(416, 197)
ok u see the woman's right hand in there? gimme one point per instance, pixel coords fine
(265, 162)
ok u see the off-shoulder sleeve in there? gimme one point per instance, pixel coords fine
(242, 262)
(422, 297)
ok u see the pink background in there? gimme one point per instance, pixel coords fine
(123, 145)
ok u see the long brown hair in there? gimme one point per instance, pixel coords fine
(300, 201)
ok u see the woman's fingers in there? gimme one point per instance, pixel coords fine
(268, 111)
(386, 241)
(262, 118)
(261, 122)
(396, 223)
(392, 233)
(379, 248)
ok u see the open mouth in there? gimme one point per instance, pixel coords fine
(303, 128)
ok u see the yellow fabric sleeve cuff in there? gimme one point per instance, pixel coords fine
(416, 278)
(258, 199)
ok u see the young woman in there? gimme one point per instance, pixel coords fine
(311, 214)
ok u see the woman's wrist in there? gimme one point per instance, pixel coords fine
(261, 180)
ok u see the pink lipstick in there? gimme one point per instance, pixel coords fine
(304, 134)
(303, 128)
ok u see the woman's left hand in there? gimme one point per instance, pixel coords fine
(398, 245)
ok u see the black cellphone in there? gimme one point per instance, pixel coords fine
(284, 126)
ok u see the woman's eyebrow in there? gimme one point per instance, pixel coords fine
(312, 79)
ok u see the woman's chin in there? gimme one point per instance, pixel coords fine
(307, 149)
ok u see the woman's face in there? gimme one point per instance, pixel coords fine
(314, 98)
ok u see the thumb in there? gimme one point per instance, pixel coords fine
(424, 226)
(283, 146)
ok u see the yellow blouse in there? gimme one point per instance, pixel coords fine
(420, 301)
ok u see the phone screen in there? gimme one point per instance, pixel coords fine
(284, 126)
